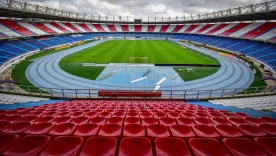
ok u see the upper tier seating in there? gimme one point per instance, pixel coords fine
(42, 136)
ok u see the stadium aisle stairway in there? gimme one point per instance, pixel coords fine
(136, 127)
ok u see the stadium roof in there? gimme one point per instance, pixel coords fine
(18, 9)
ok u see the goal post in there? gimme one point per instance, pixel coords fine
(139, 60)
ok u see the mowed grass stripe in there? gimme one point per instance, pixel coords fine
(119, 51)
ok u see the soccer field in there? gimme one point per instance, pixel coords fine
(120, 51)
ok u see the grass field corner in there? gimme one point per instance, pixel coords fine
(195, 73)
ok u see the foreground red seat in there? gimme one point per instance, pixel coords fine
(206, 146)
(63, 119)
(40, 128)
(80, 120)
(6, 140)
(30, 118)
(267, 144)
(171, 147)
(134, 130)
(28, 145)
(251, 131)
(115, 120)
(268, 120)
(45, 119)
(99, 146)
(111, 130)
(135, 146)
(237, 121)
(254, 121)
(185, 121)
(242, 146)
(268, 129)
(182, 131)
(205, 131)
(119, 114)
(64, 145)
(146, 115)
(4, 124)
(220, 121)
(203, 121)
(18, 127)
(91, 114)
(63, 129)
(157, 131)
(167, 121)
(11, 118)
(87, 130)
(228, 131)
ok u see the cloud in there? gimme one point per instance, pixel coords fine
(143, 8)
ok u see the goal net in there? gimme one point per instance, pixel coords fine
(140, 60)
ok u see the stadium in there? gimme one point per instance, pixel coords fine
(72, 83)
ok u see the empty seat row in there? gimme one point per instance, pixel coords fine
(12, 145)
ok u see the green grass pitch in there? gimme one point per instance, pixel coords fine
(119, 51)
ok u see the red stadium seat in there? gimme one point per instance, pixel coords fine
(182, 131)
(146, 115)
(28, 119)
(64, 145)
(18, 127)
(63, 129)
(214, 115)
(80, 120)
(268, 120)
(60, 114)
(149, 121)
(134, 130)
(45, 119)
(228, 131)
(4, 124)
(171, 147)
(98, 120)
(100, 146)
(201, 115)
(132, 115)
(105, 114)
(228, 115)
(237, 121)
(87, 130)
(187, 115)
(61, 120)
(40, 128)
(241, 115)
(77, 114)
(220, 121)
(159, 115)
(242, 146)
(185, 121)
(115, 120)
(28, 145)
(157, 131)
(173, 115)
(251, 131)
(119, 114)
(132, 120)
(206, 147)
(205, 131)
(167, 121)
(267, 144)
(6, 140)
(11, 118)
(254, 121)
(91, 114)
(135, 146)
(203, 121)
(111, 130)
(268, 129)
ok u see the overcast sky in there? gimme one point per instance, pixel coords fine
(143, 8)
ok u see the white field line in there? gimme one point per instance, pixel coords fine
(174, 76)
(138, 79)
(161, 81)
(157, 88)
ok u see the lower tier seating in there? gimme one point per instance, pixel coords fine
(136, 127)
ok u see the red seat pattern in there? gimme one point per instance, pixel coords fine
(177, 28)
(63, 129)
(134, 130)
(28, 119)
(268, 120)
(87, 130)
(11, 118)
(260, 30)
(44, 28)
(202, 121)
(206, 146)
(191, 28)
(234, 29)
(149, 121)
(6, 140)
(171, 147)
(182, 131)
(40, 128)
(61, 120)
(164, 27)
(4, 124)
(156, 131)
(267, 144)
(268, 129)
(91, 114)
(138, 27)
(220, 121)
(242, 146)
(205, 131)
(135, 146)
(251, 131)
(17, 27)
(237, 121)
(132, 120)
(253, 121)
(115, 120)
(228, 131)
(18, 127)
(99, 146)
(167, 121)
(72, 27)
(59, 27)
(185, 121)
(28, 145)
(124, 27)
(112, 130)
(80, 120)
(64, 145)
(98, 120)
(151, 28)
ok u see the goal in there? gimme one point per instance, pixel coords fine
(140, 60)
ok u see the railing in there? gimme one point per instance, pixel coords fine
(166, 94)
(244, 10)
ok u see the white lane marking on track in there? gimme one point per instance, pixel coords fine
(139, 79)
